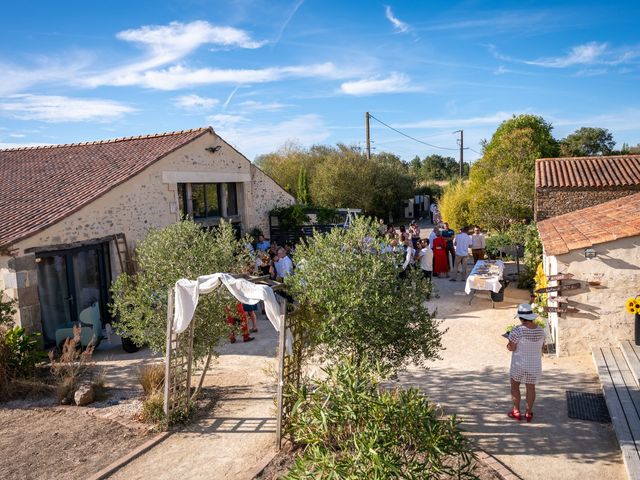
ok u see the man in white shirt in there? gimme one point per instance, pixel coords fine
(478, 245)
(409, 257)
(426, 259)
(284, 265)
(462, 242)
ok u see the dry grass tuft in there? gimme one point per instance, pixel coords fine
(73, 365)
(151, 377)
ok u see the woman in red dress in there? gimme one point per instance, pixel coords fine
(440, 261)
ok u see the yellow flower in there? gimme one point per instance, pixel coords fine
(631, 306)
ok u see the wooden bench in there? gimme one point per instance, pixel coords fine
(622, 394)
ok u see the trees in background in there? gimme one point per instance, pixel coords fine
(342, 177)
(500, 187)
(436, 167)
(588, 141)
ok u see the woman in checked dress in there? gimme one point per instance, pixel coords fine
(525, 344)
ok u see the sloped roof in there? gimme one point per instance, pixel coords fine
(591, 226)
(39, 186)
(588, 172)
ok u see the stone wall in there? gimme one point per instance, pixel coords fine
(264, 198)
(602, 319)
(148, 200)
(551, 202)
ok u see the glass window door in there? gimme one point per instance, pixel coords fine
(55, 301)
(70, 281)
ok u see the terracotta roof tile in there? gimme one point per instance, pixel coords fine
(591, 226)
(40, 186)
(588, 172)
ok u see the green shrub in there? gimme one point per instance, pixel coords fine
(181, 250)
(351, 284)
(291, 217)
(24, 351)
(497, 244)
(153, 409)
(352, 428)
(532, 257)
(19, 351)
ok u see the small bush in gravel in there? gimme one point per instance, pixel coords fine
(352, 428)
(153, 409)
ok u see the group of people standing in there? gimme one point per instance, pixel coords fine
(451, 250)
(270, 259)
(440, 254)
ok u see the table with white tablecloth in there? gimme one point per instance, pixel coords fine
(486, 275)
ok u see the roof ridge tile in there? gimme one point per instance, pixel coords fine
(103, 141)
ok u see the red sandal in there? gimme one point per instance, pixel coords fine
(528, 416)
(515, 414)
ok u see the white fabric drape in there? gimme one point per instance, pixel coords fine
(187, 293)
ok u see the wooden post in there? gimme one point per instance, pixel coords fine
(282, 347)
(167, 359)
(187, 397)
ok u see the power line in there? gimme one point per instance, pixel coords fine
(409, 136)
(475, 151)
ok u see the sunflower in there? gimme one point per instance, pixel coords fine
(632, 306)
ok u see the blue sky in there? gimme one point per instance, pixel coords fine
(264, 73)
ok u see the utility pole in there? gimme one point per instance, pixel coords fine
(461, 142)
(368, 136)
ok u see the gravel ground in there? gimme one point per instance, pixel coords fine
(59, 442)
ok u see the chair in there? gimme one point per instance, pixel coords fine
(90, 327)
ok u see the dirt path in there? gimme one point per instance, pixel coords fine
(471, 381)
(240, 431)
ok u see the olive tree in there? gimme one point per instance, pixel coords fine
(350, 282)
(181, 250)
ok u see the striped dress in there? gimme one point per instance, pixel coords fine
(526, 360)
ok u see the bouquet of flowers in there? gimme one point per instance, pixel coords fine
(633, 305)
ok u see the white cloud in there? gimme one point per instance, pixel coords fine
(195, 102)
(398, 24)
(253, 139)
(167, 44)
(591, 53)
(179, 76)
(16, 79)
(586, 54)
(59, 109)
(222, 120)
(625, 120)
(252, 105)
(487, 120)
(394, 83)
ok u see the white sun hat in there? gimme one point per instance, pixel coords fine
(525, 312)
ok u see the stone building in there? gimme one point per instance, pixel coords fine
(63, 209)
(564, 185)
(600, 247)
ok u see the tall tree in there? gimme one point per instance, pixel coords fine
(588, 141)
(501, 182)
(303, 186)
